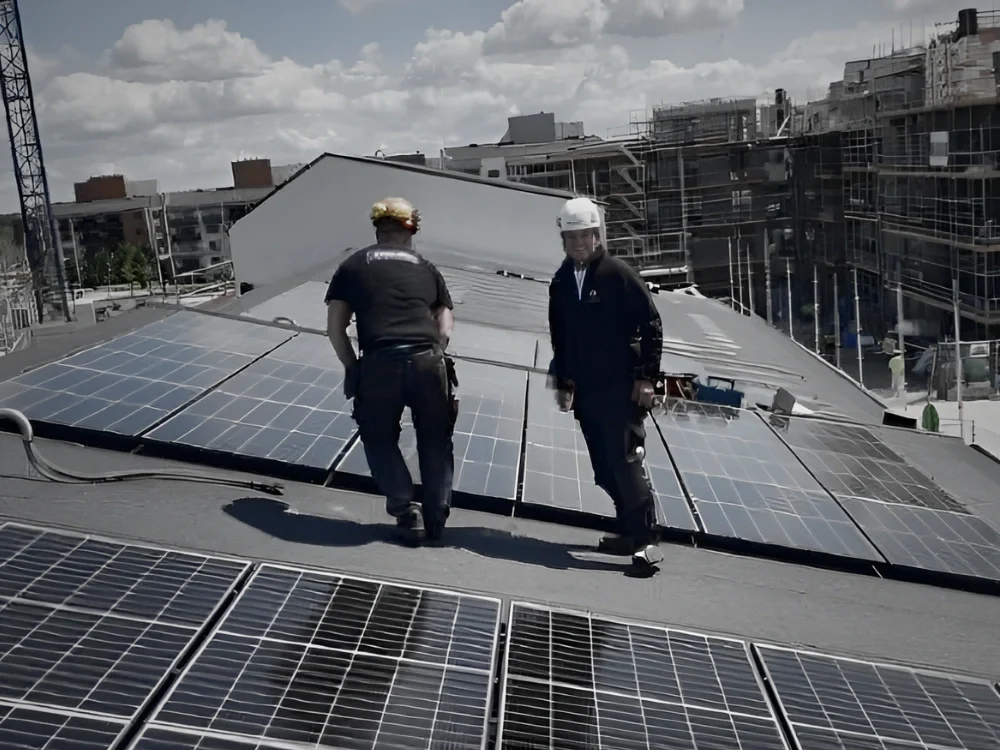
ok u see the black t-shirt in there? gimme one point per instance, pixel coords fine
(393, 292)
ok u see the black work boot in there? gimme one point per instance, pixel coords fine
(621, 546)
(434, 522)
(410, 526)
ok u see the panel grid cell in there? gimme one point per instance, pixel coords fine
(487, 435)
(129, 384)
(579, 680)
(747, 485)
(159, 738)
(62, 569)
(99, 664)
(287, 407)
(927, 539)
(558, 472)
(856, 703)
(28, 728)
(313, 658)
(850, 461)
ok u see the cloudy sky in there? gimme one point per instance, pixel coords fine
(176, 90)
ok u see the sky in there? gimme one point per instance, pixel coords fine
(176, 91)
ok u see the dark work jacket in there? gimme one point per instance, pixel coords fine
(612, 335)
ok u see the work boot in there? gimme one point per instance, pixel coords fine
(410, 526)
(434, 522)
(647, 557)
(621, 546)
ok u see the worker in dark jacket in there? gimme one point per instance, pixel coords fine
(404, 322)
(607, 340)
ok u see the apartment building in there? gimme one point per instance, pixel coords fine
(186, 229)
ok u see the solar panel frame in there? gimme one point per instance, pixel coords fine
(68, 729)
(172, 738)
(287, 407)
(220, 635)
(146, 375)
(86, 664)
(926, 539)
(854, 707)
(851, 461)
(70, 594)
(661, 703)
(502, 345)
(493, 429)
(741, 491)
(304, 305)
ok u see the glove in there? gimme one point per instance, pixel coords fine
(351, 382)
(643, 393)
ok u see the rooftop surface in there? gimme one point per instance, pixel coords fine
(882, 574)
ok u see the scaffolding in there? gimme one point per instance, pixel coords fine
(18, 310)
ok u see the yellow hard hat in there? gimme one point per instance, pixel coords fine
(399, 210)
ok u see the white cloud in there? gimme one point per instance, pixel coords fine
(152, 113)
(543, 24)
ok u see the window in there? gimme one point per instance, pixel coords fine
(493, 173)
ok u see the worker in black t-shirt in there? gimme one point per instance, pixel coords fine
(607, 340)
(404, 322)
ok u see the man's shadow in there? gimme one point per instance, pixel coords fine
(277, 519)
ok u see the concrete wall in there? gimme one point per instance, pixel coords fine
(324, 211)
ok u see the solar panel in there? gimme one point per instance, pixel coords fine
(487, 433)
(830, 700)
(579, 680)
(494, 344)
(303, 304)
(558, 472)
(155, 738)
(747, 485)
(84, 662)
(129, 384)
(24, 728)
(850, 461)
(57, 568)
(933, 540)
(313, 658)
(287, 407)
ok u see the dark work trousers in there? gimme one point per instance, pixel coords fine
(612, 425)
(388, 381)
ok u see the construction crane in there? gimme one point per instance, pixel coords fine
(41, 229)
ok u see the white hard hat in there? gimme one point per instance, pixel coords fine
(579, 213)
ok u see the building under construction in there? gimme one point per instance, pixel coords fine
(901, 166)
(689, 192)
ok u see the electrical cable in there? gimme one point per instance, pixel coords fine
(54, 473)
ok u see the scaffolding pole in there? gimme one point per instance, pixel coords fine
(739, 275)
(816, 304)
(857, 327)
(767, 287)
(836, 320)
(900, 340)
(959, 369)
(753, 309)
(732, 288)
(788, 283)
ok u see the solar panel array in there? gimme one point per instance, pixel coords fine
(747, 485)
(318, 659)
(287, 407)
(487, 434)
(129, 384)
(500, 345)
(834, 702)
(90, 629)
(574, 680)
(913, 522)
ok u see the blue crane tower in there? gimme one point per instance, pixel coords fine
(41, 230)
